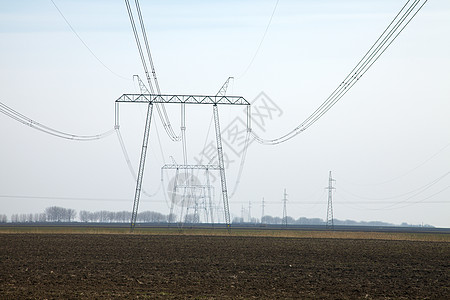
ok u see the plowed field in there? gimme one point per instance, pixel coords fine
(212, 267)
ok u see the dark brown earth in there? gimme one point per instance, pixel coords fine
(210, 267)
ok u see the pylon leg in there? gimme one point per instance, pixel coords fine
(221, 167)
(140, 176)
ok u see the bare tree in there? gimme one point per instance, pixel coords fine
(70, 214)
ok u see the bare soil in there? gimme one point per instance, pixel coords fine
(46, 266)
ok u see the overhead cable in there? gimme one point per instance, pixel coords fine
(15, 115)
(130, 166)
(152, 66)
(261, 41)
(166, 121)
(397, 25)
(415, 192)
(85, 45)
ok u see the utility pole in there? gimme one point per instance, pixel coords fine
(284, 209)
(330, 188)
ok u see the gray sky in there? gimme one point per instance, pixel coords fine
(386, 142)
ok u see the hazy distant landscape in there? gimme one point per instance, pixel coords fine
(57, 214)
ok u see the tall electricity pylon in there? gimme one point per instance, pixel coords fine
(330, 188)
(176, 185)
(151, 99)
(250, 211)
(284, 209)
(262, 212)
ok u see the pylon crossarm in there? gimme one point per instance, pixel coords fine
(190, 167)
(188, 99)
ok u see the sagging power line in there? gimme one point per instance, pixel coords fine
(165, 118)
(84, 43)
(15, 115)
(397, 25)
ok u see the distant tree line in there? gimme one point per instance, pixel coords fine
(316, 221)
(104, 216)
(51, 214)
(278, 220)
(60, 214)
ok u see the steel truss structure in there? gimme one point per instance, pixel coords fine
(176, 186)
(330, 188)
(187, 99)
(151, 99)
(284, 220)
(191, 191)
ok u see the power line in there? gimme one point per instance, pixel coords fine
(130, 166)
(403, 203)
(165, 118)
(396, 26)
(418, 190)
(85, 45)
(407, 172)
(152, 66)
(275, 203)
(65, 198)
(261, 41)
(15, 115)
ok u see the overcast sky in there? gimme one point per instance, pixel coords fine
(387, 142)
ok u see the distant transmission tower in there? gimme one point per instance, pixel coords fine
(262, 212)
(250, 211)
(330, 188)
(284, 209)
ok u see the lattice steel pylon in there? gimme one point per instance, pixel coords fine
(208, 187)
(330, 188)
(262, 211)
(285, 209)
(151, 99)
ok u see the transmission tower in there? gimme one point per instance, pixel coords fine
(262, 212)
(156, 97)
(330, 188)
(188, 184)
(151, 99)
(249, 211)
(284, 209)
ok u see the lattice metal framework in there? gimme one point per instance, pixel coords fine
(176, 186)
(188, 99)
(285, 223)
(189, 167)
(151, 99)
(330, 188)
